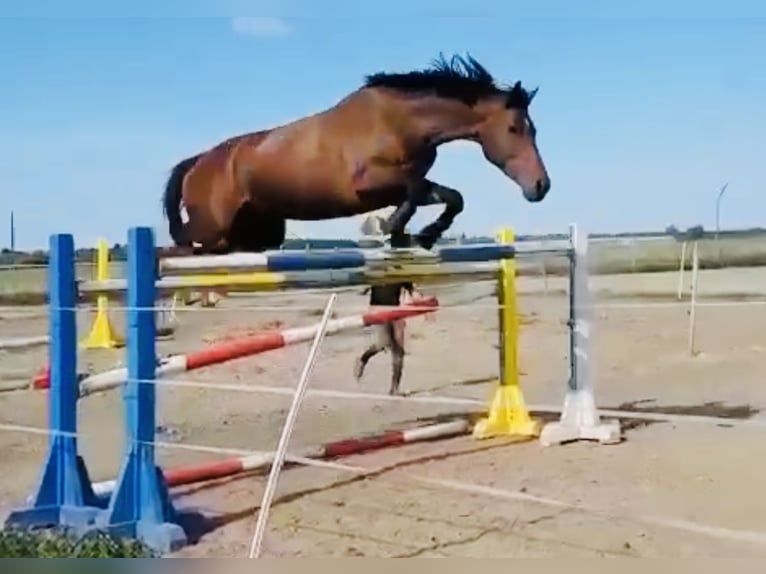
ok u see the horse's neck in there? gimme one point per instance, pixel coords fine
(441, 120)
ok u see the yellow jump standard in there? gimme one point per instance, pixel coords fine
(508, 414)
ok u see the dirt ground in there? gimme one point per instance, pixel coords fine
(681, 488)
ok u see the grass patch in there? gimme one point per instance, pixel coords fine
(60, 543)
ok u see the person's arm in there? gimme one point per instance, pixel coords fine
(416, 293)
(411, 293)
(405, 293)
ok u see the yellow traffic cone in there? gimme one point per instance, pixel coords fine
(102, 335)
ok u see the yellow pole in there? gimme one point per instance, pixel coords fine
(508, 414)
(102, 334)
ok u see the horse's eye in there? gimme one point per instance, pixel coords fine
(513, 130)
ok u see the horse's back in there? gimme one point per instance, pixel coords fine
(322, 144)
(312, 168)
(307, 166)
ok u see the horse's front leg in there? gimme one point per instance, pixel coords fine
(415, 195)
(453, 205)
(421, 194)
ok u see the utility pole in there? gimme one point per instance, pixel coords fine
(718, 221)
(13, 234)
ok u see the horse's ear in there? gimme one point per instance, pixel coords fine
(532, 94)
(517, 98)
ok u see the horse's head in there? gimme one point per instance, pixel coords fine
(498, 118)
(507, 137)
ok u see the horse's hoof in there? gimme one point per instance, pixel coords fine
(427, 241)
(400, 240)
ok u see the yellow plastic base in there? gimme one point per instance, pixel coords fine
(508, 416)
(101, 334)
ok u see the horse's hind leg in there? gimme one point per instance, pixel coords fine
(222, 247)
(205, 230)
(253, 231)
(273, 232)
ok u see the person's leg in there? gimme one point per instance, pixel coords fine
(397, 354)
(380, 344)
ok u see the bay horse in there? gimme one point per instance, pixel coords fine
(371, 150)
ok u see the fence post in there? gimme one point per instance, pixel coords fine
(140, 505)
(64, 495)
(681, 268)
(693, 299)
(579, 417)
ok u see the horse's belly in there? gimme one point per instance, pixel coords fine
(307, 203)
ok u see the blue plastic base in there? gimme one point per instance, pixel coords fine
(80, 519)
(163, 537)
(64, 495)
(141, 507)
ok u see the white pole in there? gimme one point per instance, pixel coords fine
(292, 415)
(680, 294)
(693, 301)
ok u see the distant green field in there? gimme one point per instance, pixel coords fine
(32, 280)
(27, 285)
(664, 254)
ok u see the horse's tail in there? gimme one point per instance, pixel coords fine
(171, 200)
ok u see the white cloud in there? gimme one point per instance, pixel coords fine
(261, 26)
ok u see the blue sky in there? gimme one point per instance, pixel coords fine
(643, 112)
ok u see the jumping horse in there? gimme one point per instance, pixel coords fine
(371, 150)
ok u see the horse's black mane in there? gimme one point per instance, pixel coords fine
(460, 78)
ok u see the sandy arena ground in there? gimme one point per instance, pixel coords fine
(686, 488)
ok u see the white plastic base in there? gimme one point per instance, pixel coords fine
(580, 421)
(557, 433)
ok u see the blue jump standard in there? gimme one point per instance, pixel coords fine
(140, 505)
(64, 494)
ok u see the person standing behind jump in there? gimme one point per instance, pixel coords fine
(390, 335)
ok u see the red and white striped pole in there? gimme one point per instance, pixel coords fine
(230, 467)
(256, 344)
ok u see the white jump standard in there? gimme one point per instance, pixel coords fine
(579, 417)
